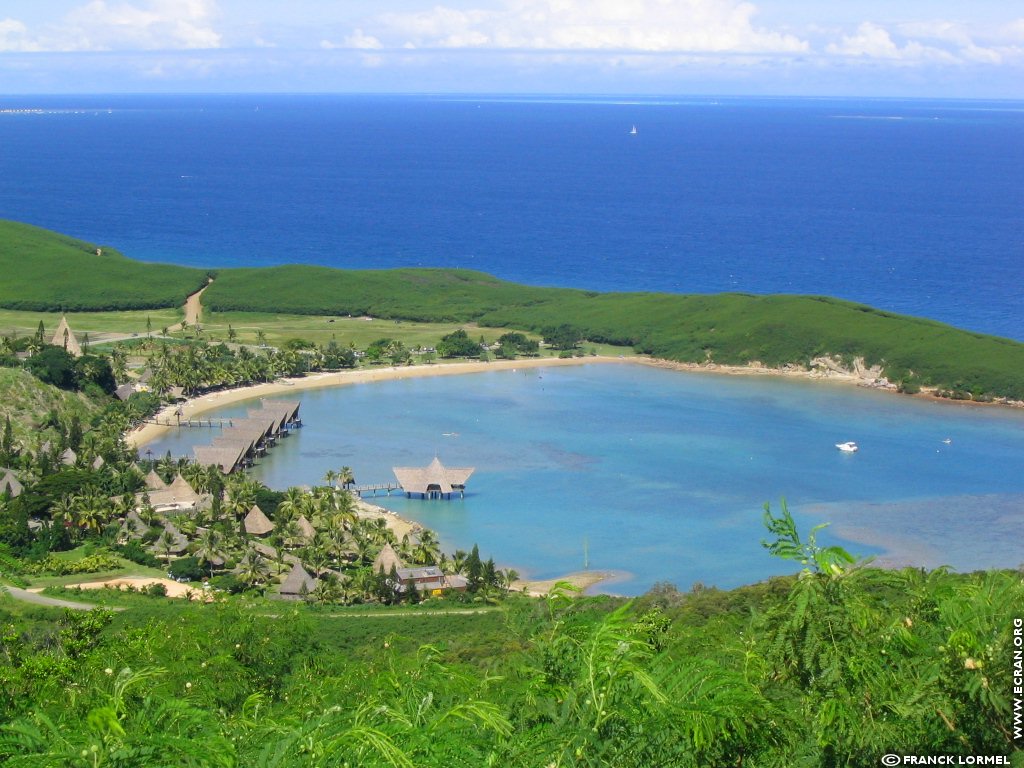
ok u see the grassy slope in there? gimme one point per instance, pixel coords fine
(43, 270)
(47, 271)
(725, 328)
(27, 400)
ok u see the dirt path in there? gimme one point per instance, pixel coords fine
(193, 308)
(31, 597)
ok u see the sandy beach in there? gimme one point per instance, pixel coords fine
(581, 580)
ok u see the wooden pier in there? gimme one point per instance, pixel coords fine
(206, 423)
(359, 490)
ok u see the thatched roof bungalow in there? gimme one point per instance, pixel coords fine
(64, 338)
(257, 523)
(179, 496)
(387, 559)
(306, 529)
(297, 583)
(433, 481)
(154, 482)
(10, 486)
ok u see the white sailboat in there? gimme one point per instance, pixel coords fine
(632, 131)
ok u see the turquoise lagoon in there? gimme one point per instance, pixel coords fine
(662, 475)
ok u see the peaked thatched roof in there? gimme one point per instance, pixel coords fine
(178, 495)
(387, 559)
(124, 391)
(154, 482)
(306, 529)
(178, 544)
(133, 526)
(98, 462)
(256, 523)
(64, 338)
(292, 585)
(226, 459)
(433, 477)
(9, 484)
(69, 457)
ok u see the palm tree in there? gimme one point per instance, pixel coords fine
(428, 551)
(253, 569)
(346, 477)
(165, 543)
(289, 506)
(330, 477)
(210, 548)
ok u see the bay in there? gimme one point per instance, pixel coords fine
(661, 475)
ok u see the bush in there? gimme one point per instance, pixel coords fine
(156, 589)
(228, 582)
(186, 568)
(135, 552)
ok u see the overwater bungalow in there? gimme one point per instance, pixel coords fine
(434, 481)
(245, 440)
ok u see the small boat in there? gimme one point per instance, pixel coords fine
(847, 447)
(632, 131)
(947, 441)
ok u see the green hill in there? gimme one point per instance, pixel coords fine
(28, 401)
(46, 271)
(732, 329)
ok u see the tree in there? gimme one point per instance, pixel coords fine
(458, 344)
(474, 570)
(7, 453)
(563, 337)
(210, 548)
(54, 365)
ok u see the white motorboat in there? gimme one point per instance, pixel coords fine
(847, 447)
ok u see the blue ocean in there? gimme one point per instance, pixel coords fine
(910, 206)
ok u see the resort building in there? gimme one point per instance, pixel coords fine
(434, 481)
(64, 338)
(257, 523)
(154, 482)
(387, 559)
(429, 580)
(298, 583)
(306, 529)
(179, 496)
(9, 485)
(245, 440)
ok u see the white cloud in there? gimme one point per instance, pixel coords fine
(719, 26)
(104, 26)
(14, 36)
(931, 41)
(359, 39)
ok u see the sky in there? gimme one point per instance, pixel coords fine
(874, 48)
